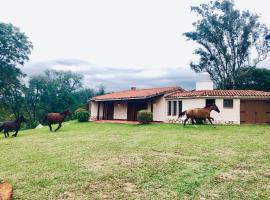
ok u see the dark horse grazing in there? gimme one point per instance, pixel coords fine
(12, 126)
(202, 113)
(54, 118)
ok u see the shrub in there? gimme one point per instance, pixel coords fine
(83, 116)
(145, 117)
(79, 110)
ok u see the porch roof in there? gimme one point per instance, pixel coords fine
(137, 94)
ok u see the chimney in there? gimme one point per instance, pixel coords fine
(204, 82)
(133, 88)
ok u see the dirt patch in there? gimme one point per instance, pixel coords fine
(130, 160)
(113, 189)
(235, 175)
(6, 191)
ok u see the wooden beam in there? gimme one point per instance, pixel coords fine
(98, 111)
(151, 104)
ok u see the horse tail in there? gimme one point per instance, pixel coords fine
(182, 113)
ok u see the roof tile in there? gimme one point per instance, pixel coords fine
(214, 93)
(137, 93)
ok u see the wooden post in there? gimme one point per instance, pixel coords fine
(98, 111)
(151, 105)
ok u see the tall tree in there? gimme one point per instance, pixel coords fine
(229, 39)
(15, 49)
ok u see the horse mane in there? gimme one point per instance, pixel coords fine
(62, 113)
(208, 106)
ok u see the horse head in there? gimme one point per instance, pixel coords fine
(67, 113)
(215, 108)
(22, 119)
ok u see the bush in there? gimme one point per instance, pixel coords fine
(145, 117)
(83, 116)
(79, 110)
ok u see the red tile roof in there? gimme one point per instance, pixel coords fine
(137, 93)
(221, 93)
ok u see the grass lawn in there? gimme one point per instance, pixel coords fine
(120, 161)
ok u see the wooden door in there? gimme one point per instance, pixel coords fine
(254, 112)
(108, 111)
(134, 108)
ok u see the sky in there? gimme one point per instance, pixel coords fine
(117, 43)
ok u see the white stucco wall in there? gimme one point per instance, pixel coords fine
(120, 111)
(159, 109)
(226, 115)
(94, 110)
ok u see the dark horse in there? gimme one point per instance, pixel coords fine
(201, 113)
(12, 126)
(54, 118)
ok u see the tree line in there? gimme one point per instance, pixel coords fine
(50, 91)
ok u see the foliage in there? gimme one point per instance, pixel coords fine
(253, 78)
(15, 49)
(145, 116)
(100, 90)
(83, 116)
(229, 40)
(79, 110)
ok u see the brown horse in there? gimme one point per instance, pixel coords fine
(202, 113)
(54, 118)
(12, 126)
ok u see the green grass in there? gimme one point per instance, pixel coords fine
(119, 161)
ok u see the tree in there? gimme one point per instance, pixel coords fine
(229, 40)
(101, 89)
(56, 89)
(253, 78)
(15, 49)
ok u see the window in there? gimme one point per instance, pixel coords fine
(174, 107)
(228, 103)
(210, 102)
(169, 108)
(179, 107)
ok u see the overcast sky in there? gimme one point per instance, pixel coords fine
(119, 43)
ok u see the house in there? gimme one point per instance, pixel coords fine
(125, 105)
(236, 106)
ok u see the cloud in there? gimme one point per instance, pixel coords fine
(117, 78)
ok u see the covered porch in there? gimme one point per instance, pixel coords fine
(120, 110)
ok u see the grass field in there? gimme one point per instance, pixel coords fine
(119, 161)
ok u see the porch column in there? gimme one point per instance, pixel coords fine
(151, 101)
(98, 111)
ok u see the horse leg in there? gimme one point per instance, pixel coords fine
(186, 121)
(50, 126)
(16, 133)
(209, 119)
(193, 122)
(5, 133)
(59, 126)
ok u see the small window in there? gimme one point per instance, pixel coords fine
(228, 103)
(174, 108)
(179, 107)
(210, 102)
(169, 108)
